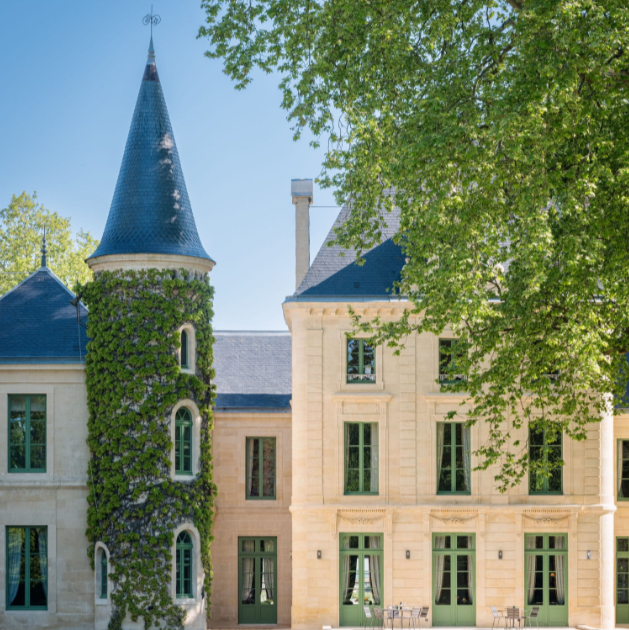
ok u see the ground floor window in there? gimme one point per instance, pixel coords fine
(361, 576)
(27, 568)
(257, 580)
(622, 580)
(183, 559)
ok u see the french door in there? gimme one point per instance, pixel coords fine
(622, 580)
(361, 576)
(546, 577)
(453, 579)
(257, 580)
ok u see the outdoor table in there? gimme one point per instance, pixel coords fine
(390, 610)
(506, 612)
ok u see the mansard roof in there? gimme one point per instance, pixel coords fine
(253, 371)
(335, 273)
(150, 212)
(39, 325)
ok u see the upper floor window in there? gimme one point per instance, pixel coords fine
(184, 349)
(454, 469)
(103, 574)
(547, 449)
(448, 354)
(260, 468)
(361, 458)
(361, 361)
(623, 470)
(183, 566)
(27, 568)
(183, 442)
(27, 433)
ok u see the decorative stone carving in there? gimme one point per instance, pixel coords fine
(453, 518)
(542, 518)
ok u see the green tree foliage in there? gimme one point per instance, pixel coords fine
(22, 225)
(501, 128)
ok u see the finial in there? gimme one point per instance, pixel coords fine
(44, 250)
(151, 18)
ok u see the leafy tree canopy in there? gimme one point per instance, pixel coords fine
(501, 127)
(22, 225)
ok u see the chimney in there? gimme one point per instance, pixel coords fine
(301, 192)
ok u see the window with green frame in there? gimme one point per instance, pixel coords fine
(103, 574)
(183, 566)
(547, 449)
(184, 349)
(260, 468)
(361, 458)
(27, 568)
(183, 442)
(361, 361)
(623, 470)
(448, 354)
(27, 433)
(454, 468)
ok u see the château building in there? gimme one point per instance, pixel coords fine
(341, 481)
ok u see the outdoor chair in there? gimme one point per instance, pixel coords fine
(498, 616)
(368, 617)
(532, 615)
(423, 615)
(378, 616)
(513, 615)
(391, 614)
(414, 618)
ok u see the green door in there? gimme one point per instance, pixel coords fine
(257, 580)
(453, 579)
(546, 577)
(622, 580)
(361, 576)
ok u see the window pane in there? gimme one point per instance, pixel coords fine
(38, 457)
(38, 431)
(353, 365)
(622, 544)
(354, 433)
(623, 565)
(625, 449)
(622, 596)
(248, 594)
(369, 359)
(461, 481)
(38, 407)
(269, 486)
(445, 480)
(464, 542)
(18, 457)
(367, 480)
(254, 486)
(353, 481)
(373, 542)
(248, 546)
(353, 459)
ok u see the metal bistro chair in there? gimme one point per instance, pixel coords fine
(532, 615)
(413, 619)
(513, 615)
(391, 614)
(423, 615)
(378, 616)
(368, 617)
(498, 616)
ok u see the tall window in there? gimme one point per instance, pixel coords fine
(184, 349)
(448, 355)
(27, 433)
(361, 458)
(183, 568)
(361, 362)
(260, 468)
(103, 574)
(183, 442)
(623, 470)
(27, 568)
(454, 467)
(545, 449)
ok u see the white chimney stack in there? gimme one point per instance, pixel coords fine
(301, 192)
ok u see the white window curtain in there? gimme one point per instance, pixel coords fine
(619, 468)
(467, 457)
(250, 451)
(374, 575)
(248, 571)
(530, 585)
(441, 427)
(560, 543)
(349, 574)
(43, 558)
(440, 543)
(268, 566)
(14, 561)
(470, 579)
(373, 464)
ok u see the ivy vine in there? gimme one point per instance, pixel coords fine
(133, 383)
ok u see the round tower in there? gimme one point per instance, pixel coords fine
(148, 370)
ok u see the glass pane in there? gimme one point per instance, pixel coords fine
(625, 469)
(462, 563)
(461, 481)
(373, 542)
(557, 542)
(622, 565)
(354, 433)
(353, 365)
(267, 589)
(622, 580)
(18, 457)
(369, 360)
(267, 545)
(16, 569)
(624, 488)
(248, 546)
(353, 457)
(464, 542)
(350, 542)
(555, 481)
(248, 568)
(367, 480)
(38, 407)
(38, 431)
(445, 479)
(38, 457)
(353, 481)
(536, 436)
(442, 542)
(268, 448)
(351, 585)
(622, 596)
(187, 572)
(254, 486)
(269, 486)
(367, 430)
(553, 597)
(622, 544)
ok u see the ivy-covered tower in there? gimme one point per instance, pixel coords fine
(149, 368)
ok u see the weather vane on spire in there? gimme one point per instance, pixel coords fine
(152, 19)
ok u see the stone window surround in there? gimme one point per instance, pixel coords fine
(192, 349)
(196, 600)
(27, 388)
(98, 548)
(196, 438)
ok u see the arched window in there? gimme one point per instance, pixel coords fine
(103, 574)
(183, 560)
(184, 349)
(183, 442)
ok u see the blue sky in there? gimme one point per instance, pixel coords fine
(70, 75)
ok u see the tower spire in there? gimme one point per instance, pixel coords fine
(44, 251)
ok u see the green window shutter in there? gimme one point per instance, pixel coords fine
(27, 433)
(103, 574)
(623, 470)
(26, 568)
(545, 449)
(454, 468)
(260, 468)
(183, 442)
(183, 568)
(184, 349)
(361, 361)
(361, 458)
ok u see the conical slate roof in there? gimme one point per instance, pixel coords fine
(150, 212)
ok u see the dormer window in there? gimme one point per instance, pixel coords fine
(184, 349)
(361, 361)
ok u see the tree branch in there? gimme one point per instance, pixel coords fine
(516, 4)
